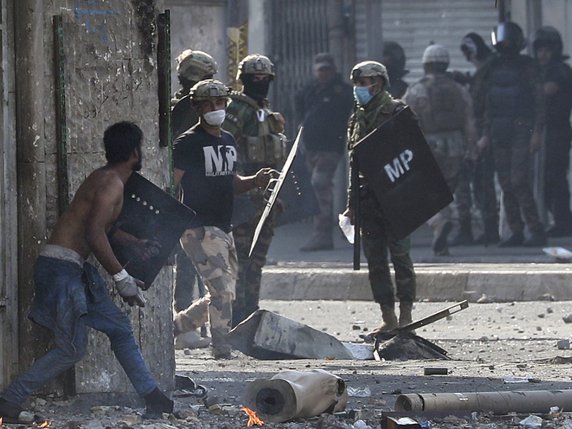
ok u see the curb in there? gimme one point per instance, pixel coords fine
(435, 282)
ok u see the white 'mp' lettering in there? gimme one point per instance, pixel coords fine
(399, 165)
(219, 160)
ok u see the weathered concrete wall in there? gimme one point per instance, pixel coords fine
(199, 25)
(110, 75)
(8, 208)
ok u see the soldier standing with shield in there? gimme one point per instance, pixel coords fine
(257, 131)
(375, 106)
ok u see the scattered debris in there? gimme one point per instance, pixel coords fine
(267, 335)
(435, 371)
(500, 403)
(563, 344)
(559, 253)
(296, 394)
(531, 422)
(359, 392)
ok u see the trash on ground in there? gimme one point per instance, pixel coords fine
(359, 392)
(559, 253)
(531, 422)
(296, 394)
(267, 335)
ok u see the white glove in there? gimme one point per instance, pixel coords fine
(128, 289)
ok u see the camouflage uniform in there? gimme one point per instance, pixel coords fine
(186, 278)
(213, 254)
(375, 238)
(445, 112)
(192, 66)
(260, 144)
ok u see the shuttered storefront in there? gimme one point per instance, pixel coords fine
(416, 23)
(299, 31)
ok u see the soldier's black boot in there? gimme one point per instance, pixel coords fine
(464, 236)
(440, 246)
(490, 235)
(515, 240)
(536, 239)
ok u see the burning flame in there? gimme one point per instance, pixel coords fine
(44, 424)
(253, 419)
(1, 421)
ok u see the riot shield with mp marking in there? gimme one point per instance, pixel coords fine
(275, 186)
(152, 215)
(400, 169)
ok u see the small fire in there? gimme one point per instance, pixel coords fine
(253, 419)
(1, 421)
(45, 424)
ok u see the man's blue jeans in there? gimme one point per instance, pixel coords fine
(69, 299)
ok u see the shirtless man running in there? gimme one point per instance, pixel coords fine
(70, 295)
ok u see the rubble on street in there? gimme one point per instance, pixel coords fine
(493, 347)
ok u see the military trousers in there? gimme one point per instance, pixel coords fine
(512, 163)
(214, 255)
(378, 246)
(250, 267)
(484, 190)
(322, 166)
(556, 187)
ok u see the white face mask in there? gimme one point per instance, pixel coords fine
(215, 118)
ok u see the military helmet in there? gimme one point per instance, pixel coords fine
(395, 53)
(550, 38)
(207, 89)
(369, 69)
(435, 54)
(195, 65)
(254, 64)
(508, 31)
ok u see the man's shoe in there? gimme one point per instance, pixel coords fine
(157, 403)
(515, 240)
(536, 239)
(318, 242)
(440, 247)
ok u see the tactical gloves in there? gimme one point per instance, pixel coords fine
(128, 289)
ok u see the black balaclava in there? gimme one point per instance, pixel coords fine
(257, 90)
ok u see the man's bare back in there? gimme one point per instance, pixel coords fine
(96, 205)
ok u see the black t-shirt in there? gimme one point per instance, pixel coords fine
(209, 163)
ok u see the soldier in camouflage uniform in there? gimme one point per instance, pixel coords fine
(445, 112)
(192, 67)
(257, 131)
(323, 107)
(513, 124)
(374, 106)
(204, 158)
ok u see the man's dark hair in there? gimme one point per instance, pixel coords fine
(120, 140)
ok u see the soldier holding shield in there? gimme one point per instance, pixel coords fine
(374, 106)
